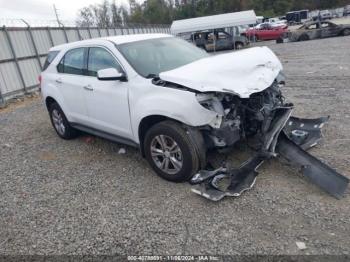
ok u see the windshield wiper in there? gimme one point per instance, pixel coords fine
(151, 76)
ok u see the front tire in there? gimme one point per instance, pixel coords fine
(346, 32)
(173, 152)
(60, 122)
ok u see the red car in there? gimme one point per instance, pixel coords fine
(265, 32)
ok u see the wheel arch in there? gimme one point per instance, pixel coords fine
(238, 43)
(343, 30)
(146, 123)
(49, 101)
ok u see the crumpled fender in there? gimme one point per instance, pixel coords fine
(173, 103)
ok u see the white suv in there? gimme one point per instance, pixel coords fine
(164, 96)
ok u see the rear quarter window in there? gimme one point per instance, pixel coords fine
(50, 57)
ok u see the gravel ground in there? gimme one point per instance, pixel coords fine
(82, 197)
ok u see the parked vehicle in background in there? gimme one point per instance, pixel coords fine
(297, 17)
(316, 30)
(347, 10)
(338, 12)
(276, 21)
(272, 25)
(259, 19)
(218, 40)
(265, 32)
(325, 15)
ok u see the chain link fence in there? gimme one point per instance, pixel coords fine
(23, 51)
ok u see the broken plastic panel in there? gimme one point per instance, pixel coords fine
(228, 182)
(298, 135)
(305, 132)
(316, 171)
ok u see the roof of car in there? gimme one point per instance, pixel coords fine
(120, 39)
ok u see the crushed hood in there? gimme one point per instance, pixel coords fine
(243, 72)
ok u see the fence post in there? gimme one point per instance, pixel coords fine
(50, 36)
(99, 32)
(15, 59)
(35, 48)
(89, 32)
(2, 101)
(79, 35)
(65, 34)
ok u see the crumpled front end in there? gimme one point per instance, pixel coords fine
(281, 135)
(243, 89)
(264, 118)
(245, 118)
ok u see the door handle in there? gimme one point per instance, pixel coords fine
(59, 80)
(88, 87)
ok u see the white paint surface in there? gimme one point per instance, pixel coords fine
(242, 73)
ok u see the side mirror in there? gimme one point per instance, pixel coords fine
(110, 74)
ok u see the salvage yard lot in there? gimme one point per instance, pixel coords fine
(82, 197)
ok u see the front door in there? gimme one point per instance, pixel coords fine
(223, 41)
(106, 101)
(328, 29)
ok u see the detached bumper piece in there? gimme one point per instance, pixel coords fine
(215, 185)
(297, 136)
(316, 171)
(306, 133)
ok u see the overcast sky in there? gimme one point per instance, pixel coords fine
(43, 9)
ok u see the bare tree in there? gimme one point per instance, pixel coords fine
(86, 17)
(116, 15)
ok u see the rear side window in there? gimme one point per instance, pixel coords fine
(72, 62)
(50, 57)
(99, 59)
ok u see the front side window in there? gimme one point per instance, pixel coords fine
(222, 35)
(72, 62)
(312, 27)
(99, 59)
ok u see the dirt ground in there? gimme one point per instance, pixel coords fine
(82, 197)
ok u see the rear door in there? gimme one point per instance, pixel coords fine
(70, 80)
(224, 41)
(263, 32)
(106, 101)
(329, 29)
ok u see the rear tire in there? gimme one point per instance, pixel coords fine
(238, 46)
(174, 152)
(60, 122)
(304, 38)
(279, 40)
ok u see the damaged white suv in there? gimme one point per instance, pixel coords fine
(172, 100)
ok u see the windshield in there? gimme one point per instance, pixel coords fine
(153, 56)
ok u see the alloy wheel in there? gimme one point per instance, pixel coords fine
(57, 120)
(166, 154)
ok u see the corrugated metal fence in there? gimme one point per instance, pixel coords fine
(23, 51)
